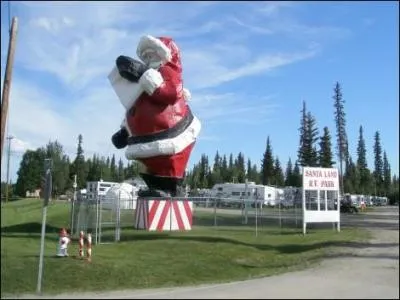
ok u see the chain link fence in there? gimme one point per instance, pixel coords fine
(110, 219)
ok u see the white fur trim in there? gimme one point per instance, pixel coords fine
(124, 124)
(150, 42)
(187, 95)
(150, 81)
(167, 146)
(128, 92)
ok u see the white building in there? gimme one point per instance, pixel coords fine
(98, 189)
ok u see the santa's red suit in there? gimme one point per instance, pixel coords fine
(161, 127)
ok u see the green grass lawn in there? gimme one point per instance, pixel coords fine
(149, 259)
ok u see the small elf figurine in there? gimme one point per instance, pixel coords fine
(63, 242)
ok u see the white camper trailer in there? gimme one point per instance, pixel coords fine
(98, 189)
(265, 195)
(292, 196)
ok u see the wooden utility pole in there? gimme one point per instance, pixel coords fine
(7, 79)
(9, 138)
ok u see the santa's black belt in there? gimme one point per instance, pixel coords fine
(169, 133)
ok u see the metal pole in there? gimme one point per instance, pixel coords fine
(9, 138)
(338, 208)
(304, 210)
(215, 212)
(279, 207)
(257, 219)
(295, 211)
(118, 227)
(100, 222)
(47, 193)
(97, 218)
(7, 79)
(73, 206)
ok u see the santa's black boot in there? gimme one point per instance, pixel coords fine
(160, 186)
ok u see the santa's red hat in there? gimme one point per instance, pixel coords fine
(159, 45)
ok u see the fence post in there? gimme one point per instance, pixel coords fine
(118, 220)
(215, 212)
(257, 219)
(97, 218)
(47, 195)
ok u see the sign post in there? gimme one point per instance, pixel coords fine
(47, 195)
(321, 180)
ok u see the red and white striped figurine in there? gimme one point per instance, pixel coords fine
(89, 247)
(81, 243)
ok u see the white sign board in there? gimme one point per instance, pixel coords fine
(320, 179)
(321, 182)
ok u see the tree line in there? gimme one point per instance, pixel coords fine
(31, 170)
(315, 150)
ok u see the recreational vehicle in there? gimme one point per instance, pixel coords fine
(380, 201)
(232, 193)
(291, 196)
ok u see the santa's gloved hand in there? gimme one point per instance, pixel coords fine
(120, 138)
(130, 68)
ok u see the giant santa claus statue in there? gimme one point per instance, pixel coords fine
(159, 129)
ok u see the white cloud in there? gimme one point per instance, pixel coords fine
(272, 8)
(19, 146)
(234, 108)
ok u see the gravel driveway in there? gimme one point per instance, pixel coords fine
(369, 271)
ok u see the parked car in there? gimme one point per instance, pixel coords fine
(348, 207)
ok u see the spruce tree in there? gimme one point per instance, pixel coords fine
(311, 157)
(217, 169)
(79, 165)
(378, 171)
(307, 153)
(224, 170)
(113, 169)
(297, 178)
(267, 165)
(341, 135)
(303, 136)
(121, 174)
(386, 174)
(278, 173)
(325, 150)
(362, 164)
(289, 173)
(240, 168)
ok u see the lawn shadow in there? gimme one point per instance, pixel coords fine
(55, 257)
(32, 227)
(284, 249)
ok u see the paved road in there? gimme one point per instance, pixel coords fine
(366, 272)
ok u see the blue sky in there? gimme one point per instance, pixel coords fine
(248, 65)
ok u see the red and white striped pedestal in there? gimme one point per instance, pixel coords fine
(163, 215)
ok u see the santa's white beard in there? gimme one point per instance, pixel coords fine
(155, 65)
